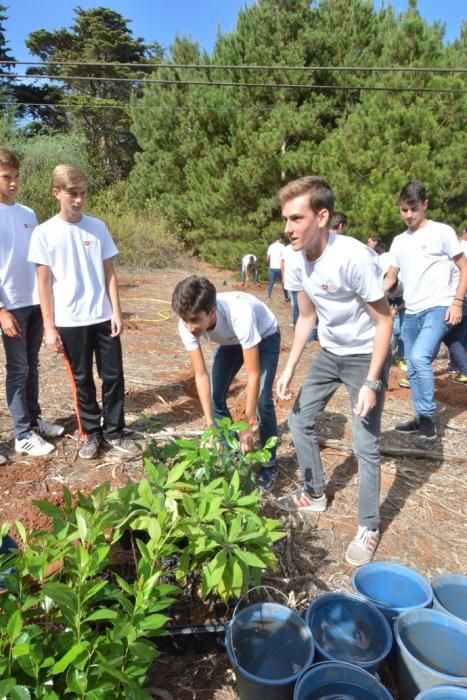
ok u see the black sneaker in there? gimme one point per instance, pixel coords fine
(266, 479)
(412, 426)
(427, 429)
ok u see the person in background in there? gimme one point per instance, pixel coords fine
(336, 278)
(338, 223)
(275, 254)
(249, 270)
(246, 333)
(422, 257)
(456, 338)
(376, 243)
(20, 318)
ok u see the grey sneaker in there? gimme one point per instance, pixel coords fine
(34, 446)
(302, 500)
(91, 446)
(124, 445)
(48, 430)
(3, 460)
(362, 548)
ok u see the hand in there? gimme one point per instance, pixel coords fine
(454, 315)
(283, 384)
(116, 324)
(366, 401)
(246, 440)
(9, 324)
(53, 341)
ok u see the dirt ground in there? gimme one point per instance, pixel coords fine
(423, 494)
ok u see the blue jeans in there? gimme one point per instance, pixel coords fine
(422, 335)
(22, 370)
(296, 313)
(275, 274)
(397, 343)
(228, 359)
(456, 342)
(326, 374)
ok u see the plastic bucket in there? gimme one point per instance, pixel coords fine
(336, 679)
(393, 588)
(431, 650)
(348, 628)
(443, 692)
(268, 646)
(450, 594)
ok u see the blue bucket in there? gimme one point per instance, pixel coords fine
(450, 594)
(393, 588)
(443, 692)
(336, 679)
(431, 650)
(348, 628)
(268, 646)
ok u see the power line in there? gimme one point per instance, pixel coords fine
(196, 66)
(215, 83)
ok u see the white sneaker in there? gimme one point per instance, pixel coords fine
(48, 430)
(362, 548)
(34, 446)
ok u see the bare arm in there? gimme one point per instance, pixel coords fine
(303, 328)
(454, 313)
(390, 278)
(203, 385)
(46, 297)
(111, 285)
(251, 360)
(380, 311)
(8, 324)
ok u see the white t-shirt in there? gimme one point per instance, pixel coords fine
(75, 254)
(18, 281)
(242, 319)
(246, 260)
(385, 261)
(425, 269)
(275, 255)
(288, 257)
(455, 270)
(339, 283)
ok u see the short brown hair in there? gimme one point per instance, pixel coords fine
(319, 193)
(8, 159)
(193, 295)
(66, 176)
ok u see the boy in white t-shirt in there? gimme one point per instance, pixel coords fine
(247, 333)
(337, 279)
(274, 255)
(249, 270)
(80, 304)
(422, 257)
(20, 317)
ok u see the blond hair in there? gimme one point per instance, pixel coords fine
(8, 159)
(65, 176)
(318, 190)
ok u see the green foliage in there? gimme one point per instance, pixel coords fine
(71, 626)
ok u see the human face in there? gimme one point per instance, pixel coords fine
(413, 214)
(72, 201)
(197, 324)
(306, 230)
(371, 243)
(9, 180)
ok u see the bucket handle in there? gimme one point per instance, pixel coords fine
(250, 590)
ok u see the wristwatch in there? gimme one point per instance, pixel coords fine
(377, 385)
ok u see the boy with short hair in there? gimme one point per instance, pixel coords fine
(422, 257)
(20, 317)
(249, 270)
(246, 332)
(80, 304)
(337, 279)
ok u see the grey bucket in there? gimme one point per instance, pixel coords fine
(268, 646)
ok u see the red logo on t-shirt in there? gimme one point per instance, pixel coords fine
(325, 287)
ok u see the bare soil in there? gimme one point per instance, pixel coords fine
(423, 491)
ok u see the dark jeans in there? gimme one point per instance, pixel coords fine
(228, 359)
(275, 274)
(81, 343)
(22, 370)
(326, 374)
(456, 341)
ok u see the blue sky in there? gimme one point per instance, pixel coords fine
(160, 20)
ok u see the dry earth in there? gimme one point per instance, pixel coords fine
(423, 487)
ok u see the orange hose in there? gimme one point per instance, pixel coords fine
(82, 434)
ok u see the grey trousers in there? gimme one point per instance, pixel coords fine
(325, 375)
